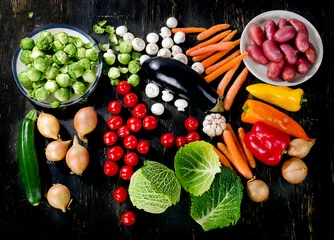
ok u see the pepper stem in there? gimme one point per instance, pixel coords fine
(219, 106)
(303, 100)
(284, 152)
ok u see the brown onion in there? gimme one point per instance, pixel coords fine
(257, 190)
(299, 147)
(48, 125)
(85, 121)
(294, 170)
(56, 150)
(59, 197)
(77, 157)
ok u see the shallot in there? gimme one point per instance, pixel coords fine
(294, 170)
(48, 125)
(77, 157)
(85, 121)
(299, 147)
(59, 196)
(56, 150)
(257, 190)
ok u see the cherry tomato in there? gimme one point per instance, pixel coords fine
(128, 218)
(126, 172)
(143, 147)
(109, 138)
(139, 110)
(192, 136)
(123, 131)
(180, 141)
(191, 124)
(120, 194)
(130, 99)
(110, 168)
(114, 122)
(167, 140)
(131, 159)
(123, 87)
(115, 107)
(150, 123)
(130, 142)
(134, 124)
(115, 153)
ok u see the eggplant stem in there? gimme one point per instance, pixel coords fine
(219, 106)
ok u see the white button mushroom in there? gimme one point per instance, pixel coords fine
(165, 32)
(179, 37)
(167, 96)
(152, 48)
(176, 49)
(198, 67)
(128, 37)
(171, 22)
(167, 42)
(143, 58)
(152, 90)
(164, 52)
(152, 38)
(138, 44)
(157, 109)
(181, 57)
(121, 30)
(181, 104)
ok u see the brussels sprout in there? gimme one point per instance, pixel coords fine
(51, 72)
(23, 79)
(25, 57)
(110, 29)
(70, 49)
(57, 45)
(134, 66)
(78, 42)
(62, 37)
(92, 54)
(33, 74)
(60, 57)
(135, 55)
(38, 84)
(41, 94)
(63, 80)
(85, 63)
(102, 23)
(109, 57)
(55, 104)
(40, 64)
(79, 87)
(98, 29)
(80, 53)
(103, 47)
(36, 52)
(113, 38)
(62, 94)
(124, 58)
(30, 15)
(123, 70)
(46, 34)
(89, 45)
(43, 43)
(51, 86)
(48, 59)
(125, 47)
(134, 80)
(64, 69)
(27, 43)
(114, 82)
(75, 70)
(114, 73)
(89, 76)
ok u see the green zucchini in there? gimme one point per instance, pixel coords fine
(28, 159)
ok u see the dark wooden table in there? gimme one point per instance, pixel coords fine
(303, 211)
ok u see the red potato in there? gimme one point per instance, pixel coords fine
(301, 42)
(299, 26)
(255, 32)
(303, 65)
(282, 22)
(256, 53)
(311, 54)
(275, 69)
(271, 51)
(270, 29)
(289, 72)
(289, 53)
(285, 34)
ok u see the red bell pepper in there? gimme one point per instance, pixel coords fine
(267, 143)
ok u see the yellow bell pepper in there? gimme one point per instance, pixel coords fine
(281, 96)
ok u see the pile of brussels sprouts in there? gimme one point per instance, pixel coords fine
(57, 66)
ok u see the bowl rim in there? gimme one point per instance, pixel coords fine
(284, 13)
(16, 55)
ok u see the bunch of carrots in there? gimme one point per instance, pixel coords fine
(217, 52)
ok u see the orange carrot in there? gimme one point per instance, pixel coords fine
(222, 158)
(211, 68)
(236, 140)
(213, 47)
(234, 89)
(202, 56)
(216, 56)
(212, 30)
(222, 147)
(212, 76)
(249, 156)
(215, 39)
(188, 29)
(226, 80)
(237, 159)
(230, 36)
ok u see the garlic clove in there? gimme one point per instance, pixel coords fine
(219, 131)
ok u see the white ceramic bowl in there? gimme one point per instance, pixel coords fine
(259, 70)
(18, 66)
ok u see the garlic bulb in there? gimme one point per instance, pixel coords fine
(214, 124)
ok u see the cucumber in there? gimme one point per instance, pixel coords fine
(27, 159)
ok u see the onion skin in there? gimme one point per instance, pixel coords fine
(257, 190)
(77, 157)
(59, 196)
(299, 147)
(294, 170)
(48, 125)
(85, 121)
(56, 150)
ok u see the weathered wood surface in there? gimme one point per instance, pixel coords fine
(303, 211)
